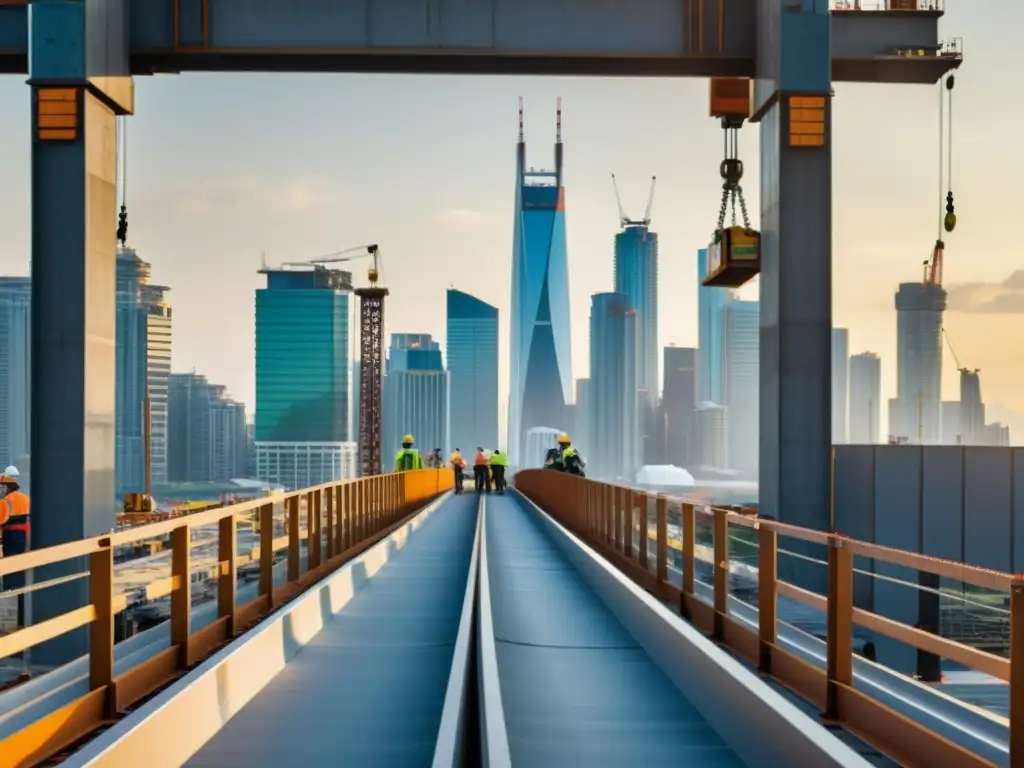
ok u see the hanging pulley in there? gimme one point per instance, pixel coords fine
(734, 254)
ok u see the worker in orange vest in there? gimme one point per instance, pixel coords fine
(481, 472)
(14, 529)
(458, 464)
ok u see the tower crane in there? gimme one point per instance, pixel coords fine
(624, 220)
(371, 351)
(956, 359)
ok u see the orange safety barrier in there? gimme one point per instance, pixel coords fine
(608, 516)
(338, 521)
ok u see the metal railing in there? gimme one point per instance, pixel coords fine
(609, 518)
(322, 527)
(888, 5)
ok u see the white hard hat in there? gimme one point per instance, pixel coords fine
(12, 471)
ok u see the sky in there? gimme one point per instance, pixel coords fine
(225, 168)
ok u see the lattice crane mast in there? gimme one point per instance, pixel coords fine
(371, 352)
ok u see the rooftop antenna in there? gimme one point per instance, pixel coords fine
(558, 122)
(521, 139)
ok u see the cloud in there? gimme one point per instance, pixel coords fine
(299, 194)
(1006, 297)
(462, 219)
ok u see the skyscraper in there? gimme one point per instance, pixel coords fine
(415, 396)
(614, 406)
(679, 406)
(742, 358)
(865, 398)
(302, 376)
(15, 368)
(541, 358)
(581, 426)
(915, 413)
(972, 409)
(472, 342)
(636, 277)
(143, 367)
(840, 384)
(711, 335)
(207, 432)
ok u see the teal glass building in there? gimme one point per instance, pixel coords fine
(302, 351)
(472, 346)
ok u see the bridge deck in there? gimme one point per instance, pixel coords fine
(369, 688)
(577, 688)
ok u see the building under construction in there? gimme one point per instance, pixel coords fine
(914, 415)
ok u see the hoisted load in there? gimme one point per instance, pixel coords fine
(734, 254)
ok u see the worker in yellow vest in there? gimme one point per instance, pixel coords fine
(499, 461)
(458, 464)
(408, 458)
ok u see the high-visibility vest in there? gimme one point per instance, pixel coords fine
(14, 512)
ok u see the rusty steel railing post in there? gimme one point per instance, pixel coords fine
(626, 521)
(101, 631)
(227, 580)
(767, 599)
(721, 580)
(294, 540)
(661, 511)
(267, 552)
(642, 504)
(688, 534)
(607, 514)
(332, 544)
(181, 593)
(1017, 672)
(839, 625)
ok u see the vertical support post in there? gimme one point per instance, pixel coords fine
(689, 535)
(313, 518)
(294, 540)
(721, 549)
(73, 263)
(227, 583)
(767, 600)
(839, 625)
(1017, 672)
(181, 592)
(328, 494)
(626, 521)
(642, 500)
(267, 552)
(101, 631)
(793, 103)
(661, 507)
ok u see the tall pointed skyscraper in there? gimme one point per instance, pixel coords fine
(541, 359)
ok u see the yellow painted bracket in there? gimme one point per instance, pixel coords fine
(807, 121)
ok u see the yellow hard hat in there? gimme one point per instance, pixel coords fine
(563, 439)
(407, 439)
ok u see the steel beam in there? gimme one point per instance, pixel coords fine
(78, 82)
(796, 273)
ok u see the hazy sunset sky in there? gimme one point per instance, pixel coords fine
(224, 167)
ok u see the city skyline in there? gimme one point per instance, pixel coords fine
(204, 204)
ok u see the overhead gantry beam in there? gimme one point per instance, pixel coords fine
(641, 38)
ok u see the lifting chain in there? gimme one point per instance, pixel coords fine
(949, 220)
(122, 154)
(731, 171)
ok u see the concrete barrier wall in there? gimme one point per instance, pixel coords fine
(961, 503)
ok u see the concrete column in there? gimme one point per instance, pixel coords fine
(79, 81)
(796, 272)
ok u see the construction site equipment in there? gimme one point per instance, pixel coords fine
(734, 254)
(947, 215)
(624, 220)
(140, 505)
(371, 352)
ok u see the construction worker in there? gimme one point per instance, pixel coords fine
(408, 458)
(14, 529)
(458, 464)
(498, 463)
(480, 471)
(571, 459)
